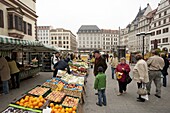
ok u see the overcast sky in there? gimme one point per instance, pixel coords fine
(106, 14)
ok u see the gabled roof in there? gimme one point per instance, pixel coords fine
(151, 14)
(89, 27)
(140, 14)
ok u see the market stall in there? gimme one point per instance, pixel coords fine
(24, 52)
(62, 94)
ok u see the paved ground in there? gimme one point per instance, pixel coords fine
(126, 103)
(115, 104)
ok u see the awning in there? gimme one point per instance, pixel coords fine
(13, 44)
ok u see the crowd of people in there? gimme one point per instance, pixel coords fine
(144, 72)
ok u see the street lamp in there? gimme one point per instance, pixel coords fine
(143, 34)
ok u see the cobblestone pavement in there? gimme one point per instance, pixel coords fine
(126, 103)
(24, 87)
(115, 104)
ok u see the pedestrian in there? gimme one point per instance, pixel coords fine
(107, 57)
(99, 61)
(100, 86)
(165, 68)
(14, 71)
(113, 63)
(122, 71)
(155, 65)
(4, 74)
(62, 65)
(140, 74)
(56, 58)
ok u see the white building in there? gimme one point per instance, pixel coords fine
(124, 37)
(43, 33)
(140, 24)
(89, 38)
(18, 19)
(109, 39)
(63, 38)
(160, 26)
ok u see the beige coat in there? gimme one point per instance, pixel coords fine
(114, 62)
(140, 72)
(13, 67)
(4, 69)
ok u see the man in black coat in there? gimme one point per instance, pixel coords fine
(99, 61)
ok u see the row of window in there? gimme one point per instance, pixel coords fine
(164, 13)
(92, 46)
(59, 38)
(40, 34)
(89, 42)
(42, 38)
(59, 34)
(164, 40)
(16, 22)
(162, 22)
(158, 32)
(59, 42)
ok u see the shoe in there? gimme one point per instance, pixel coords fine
(149, 93)
(124, 92)
(140, 100)
(104, 104)
(96, 93)
(98, 104)
(119, 94)
(157, 96)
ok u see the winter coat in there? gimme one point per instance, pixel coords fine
(13, 67)
(165, 68)
(124, 72)
(140, 72)
(61, 65)
(114, 62)
(4, 69)
(100, 81)
(99, 62)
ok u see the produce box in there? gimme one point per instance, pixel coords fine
(39, 90)
(74, 93)
(70, 101)
(29, 101)
(17, 110)
(62, 109)
(74, 87)
(60, 73)
(52, 85)
(56, 96)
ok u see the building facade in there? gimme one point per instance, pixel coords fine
(89, 38)
(18, 19)
(140, 24)
(63, 38)
(160, 26)
(43, 33)
(109, 39)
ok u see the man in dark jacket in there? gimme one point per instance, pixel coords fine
(61, 65)
(99, 61)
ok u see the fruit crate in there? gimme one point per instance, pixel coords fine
(44, 94)
(54, 105)
(53, 96)
(73, 93)
(70, 98)
(33, 100)
(18, 109)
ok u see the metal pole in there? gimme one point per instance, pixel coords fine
(143, 46)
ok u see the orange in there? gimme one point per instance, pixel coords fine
(36, 107)
(17, 102)
(35, 103)
(70, 110)
(51, 105)
(56, 106)
(73, 111)
(41, 100)
(40, 104)
(74, 108)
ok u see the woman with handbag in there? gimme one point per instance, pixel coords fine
(140, 74)
(122, 71)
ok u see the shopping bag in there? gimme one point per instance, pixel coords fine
(128, 79)
(146, 97)
(142, 91)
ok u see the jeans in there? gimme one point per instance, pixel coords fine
(15, 80)
(5, 87)
(101, 94)
(113, 72)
